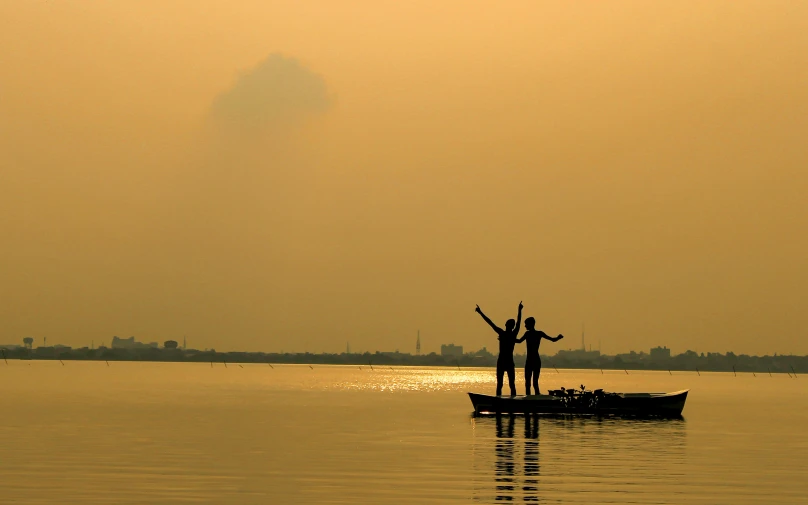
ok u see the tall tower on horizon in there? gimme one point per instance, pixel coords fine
(348, 348)
(583, 341)
(418, 344)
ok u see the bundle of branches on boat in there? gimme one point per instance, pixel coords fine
(581, 400)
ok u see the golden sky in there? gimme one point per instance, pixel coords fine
(262, 175)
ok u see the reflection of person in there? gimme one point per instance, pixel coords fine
(507, 341)
(505, 469)
(531, 468)
(533, 361)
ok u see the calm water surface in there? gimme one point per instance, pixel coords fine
(86, 432)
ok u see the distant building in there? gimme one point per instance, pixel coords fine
(451, 350)
(45, 352)
(170, 344)
(9, 347)
(131, 343)
(124, 343)
(482, 353)
(660, 353)
(632, 357)
(579, 355)
(391, 353)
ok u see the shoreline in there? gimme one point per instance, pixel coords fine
(790, 365)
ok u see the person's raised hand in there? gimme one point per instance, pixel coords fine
(560, 336)
(521, 306)
(478, 309)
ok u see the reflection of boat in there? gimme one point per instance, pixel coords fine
(584, 402)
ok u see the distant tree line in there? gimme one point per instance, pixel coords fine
(688, 360)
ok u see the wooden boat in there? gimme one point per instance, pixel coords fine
(584, 402)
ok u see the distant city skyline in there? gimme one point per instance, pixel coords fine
(415, 351)
(659, 358)
(646, 178)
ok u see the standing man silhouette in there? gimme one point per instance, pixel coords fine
(507, 341)
(533, 361)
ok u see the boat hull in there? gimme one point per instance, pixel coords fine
(628, 404)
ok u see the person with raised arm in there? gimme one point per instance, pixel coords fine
(533, 360)
(507, 341)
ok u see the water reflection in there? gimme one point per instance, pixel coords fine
(505, 466)
(634, 450)
(530, 488)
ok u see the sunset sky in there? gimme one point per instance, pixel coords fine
(275, 175)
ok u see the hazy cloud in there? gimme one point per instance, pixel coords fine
(277, 92)
(639, 168)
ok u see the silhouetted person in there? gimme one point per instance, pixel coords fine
(507, 341)
(533, 361)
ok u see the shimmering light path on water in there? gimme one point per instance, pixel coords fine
(180, 433)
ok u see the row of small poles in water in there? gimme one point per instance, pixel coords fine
(370, 364)
(270, 365)
(734, 372)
